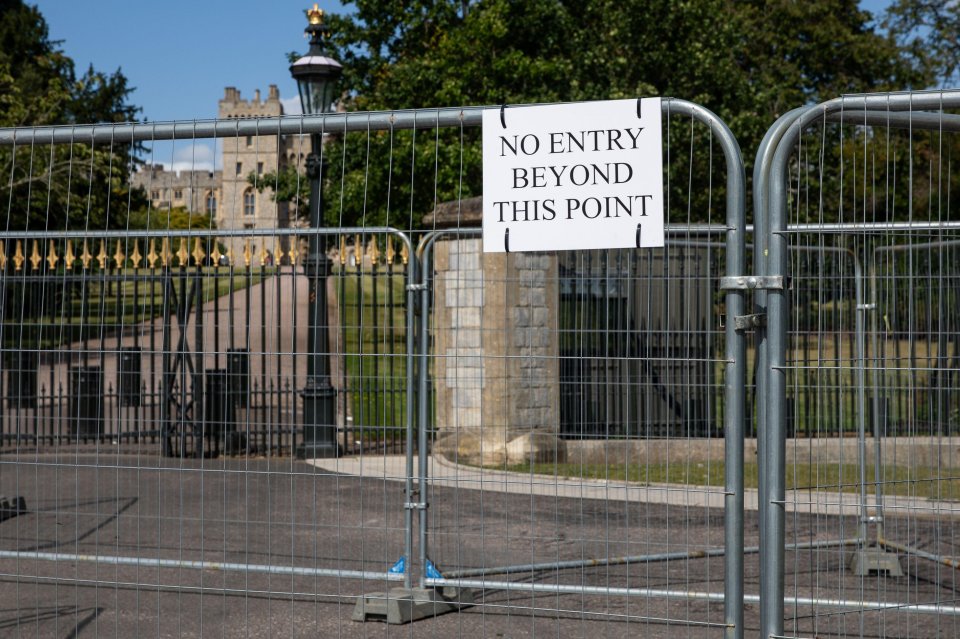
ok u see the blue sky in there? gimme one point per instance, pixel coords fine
(179, 54)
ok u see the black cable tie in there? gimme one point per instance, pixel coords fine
(638, 236)
(639, 110)
(503, 117)
(506, 240)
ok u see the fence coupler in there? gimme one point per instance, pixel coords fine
(752, 282)
(749, 322)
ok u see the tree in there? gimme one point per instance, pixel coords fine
(177, 218)
(66, 185)
(749, 61)
(286, 184)
(929, 31)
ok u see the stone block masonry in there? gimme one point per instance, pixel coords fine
(496, 343)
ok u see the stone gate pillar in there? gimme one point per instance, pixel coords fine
(495, 350)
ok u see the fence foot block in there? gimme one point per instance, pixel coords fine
(11, 507)
(874, 559)
(403, 605)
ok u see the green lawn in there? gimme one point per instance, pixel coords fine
(102, 308)
(373, 329)
(898, 480)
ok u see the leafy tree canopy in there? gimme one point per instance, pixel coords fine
(74, 185)
(747, 60)
(929, 32)
(285, 185)
(177, 218)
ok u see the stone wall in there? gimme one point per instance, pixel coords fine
(495, 343)
(192, 190)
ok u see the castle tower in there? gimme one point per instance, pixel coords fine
(242, 205)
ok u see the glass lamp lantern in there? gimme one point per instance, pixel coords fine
(316, 72)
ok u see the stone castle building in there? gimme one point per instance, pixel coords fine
(226, 194)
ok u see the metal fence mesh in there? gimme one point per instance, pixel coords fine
(535, 441)
(870, 465)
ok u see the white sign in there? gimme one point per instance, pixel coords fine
(573, 176)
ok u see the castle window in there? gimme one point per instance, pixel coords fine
(178, 194)
(155, 195)
(249, 202)
(239, 168)
(211, 204)
(249, 140)
(259, 168)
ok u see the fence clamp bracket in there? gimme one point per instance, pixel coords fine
(415, 505)
(417, 287)
(749, 322)
(746, 282)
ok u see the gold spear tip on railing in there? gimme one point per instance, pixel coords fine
(102, 255)
(391, 254)
(35, 259)
(136, 257)
(85, 256)
(166, 256)
(18, 257)
(198, 253)
(183, 254)
(215, 254)
(294, 250)
(315, 15)
(52, 257)
(152, 256)
(118, 257)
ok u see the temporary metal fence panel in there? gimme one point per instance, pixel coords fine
(858, 403)
(577, 476)
(167, 361)
(181, 363)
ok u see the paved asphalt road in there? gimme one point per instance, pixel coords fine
(289, 513)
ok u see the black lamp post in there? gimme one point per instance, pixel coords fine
(316, 74)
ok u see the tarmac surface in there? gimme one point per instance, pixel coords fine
(287, 513)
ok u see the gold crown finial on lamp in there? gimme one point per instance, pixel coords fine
(315, 15)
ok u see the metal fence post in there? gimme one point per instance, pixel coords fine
(761, 198)
(424, 256)
(413, 500)
(734, 383)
